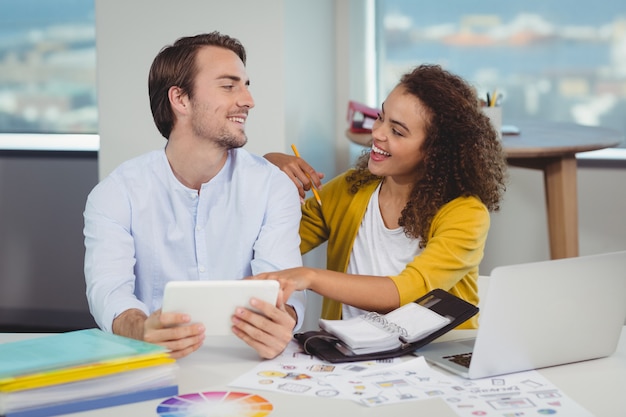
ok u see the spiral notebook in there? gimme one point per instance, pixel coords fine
(374, 336)
(373, 332)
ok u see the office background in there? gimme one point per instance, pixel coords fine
(306, 60)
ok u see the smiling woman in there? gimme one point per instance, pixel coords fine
(413, 213)
(47, 75)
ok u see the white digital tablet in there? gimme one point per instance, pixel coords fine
(213, 303)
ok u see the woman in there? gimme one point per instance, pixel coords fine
(413, 214)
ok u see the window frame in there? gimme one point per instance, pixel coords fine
(52, 142)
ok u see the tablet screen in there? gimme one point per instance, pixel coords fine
(213, 303)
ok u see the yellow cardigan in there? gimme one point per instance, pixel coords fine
(450, 260)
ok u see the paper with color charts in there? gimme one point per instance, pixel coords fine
(379, 383)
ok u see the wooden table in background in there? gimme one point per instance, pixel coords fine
(552, 148)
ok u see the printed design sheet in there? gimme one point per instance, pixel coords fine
(295, 372)
(377, 383)
(519, 394)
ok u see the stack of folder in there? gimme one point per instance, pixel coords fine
(81, 370)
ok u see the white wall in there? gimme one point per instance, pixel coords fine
(290, 64)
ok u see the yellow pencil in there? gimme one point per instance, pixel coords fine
(494, 97)
(313, 187)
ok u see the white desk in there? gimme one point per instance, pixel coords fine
(597, 385)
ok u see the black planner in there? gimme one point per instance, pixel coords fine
(331, 344)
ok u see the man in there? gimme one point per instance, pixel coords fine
(200, 209)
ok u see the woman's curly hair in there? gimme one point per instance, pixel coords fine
(462, 153)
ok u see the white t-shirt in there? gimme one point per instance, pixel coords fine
(378, 250)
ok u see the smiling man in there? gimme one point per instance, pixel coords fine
(202, 208)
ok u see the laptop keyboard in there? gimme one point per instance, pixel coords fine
(462, 359)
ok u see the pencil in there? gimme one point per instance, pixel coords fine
(313, 188)
(492, 103)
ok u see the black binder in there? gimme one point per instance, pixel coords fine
(329, 348)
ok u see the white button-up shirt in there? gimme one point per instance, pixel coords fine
(144, 228)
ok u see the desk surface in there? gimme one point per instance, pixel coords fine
(548, 139)
(597, 385)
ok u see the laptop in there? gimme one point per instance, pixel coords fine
(541, 314)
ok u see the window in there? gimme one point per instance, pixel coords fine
(552, 60)
(47, 74)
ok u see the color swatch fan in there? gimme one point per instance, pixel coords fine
(215, 404)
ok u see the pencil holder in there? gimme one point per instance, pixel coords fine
(495, 117)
